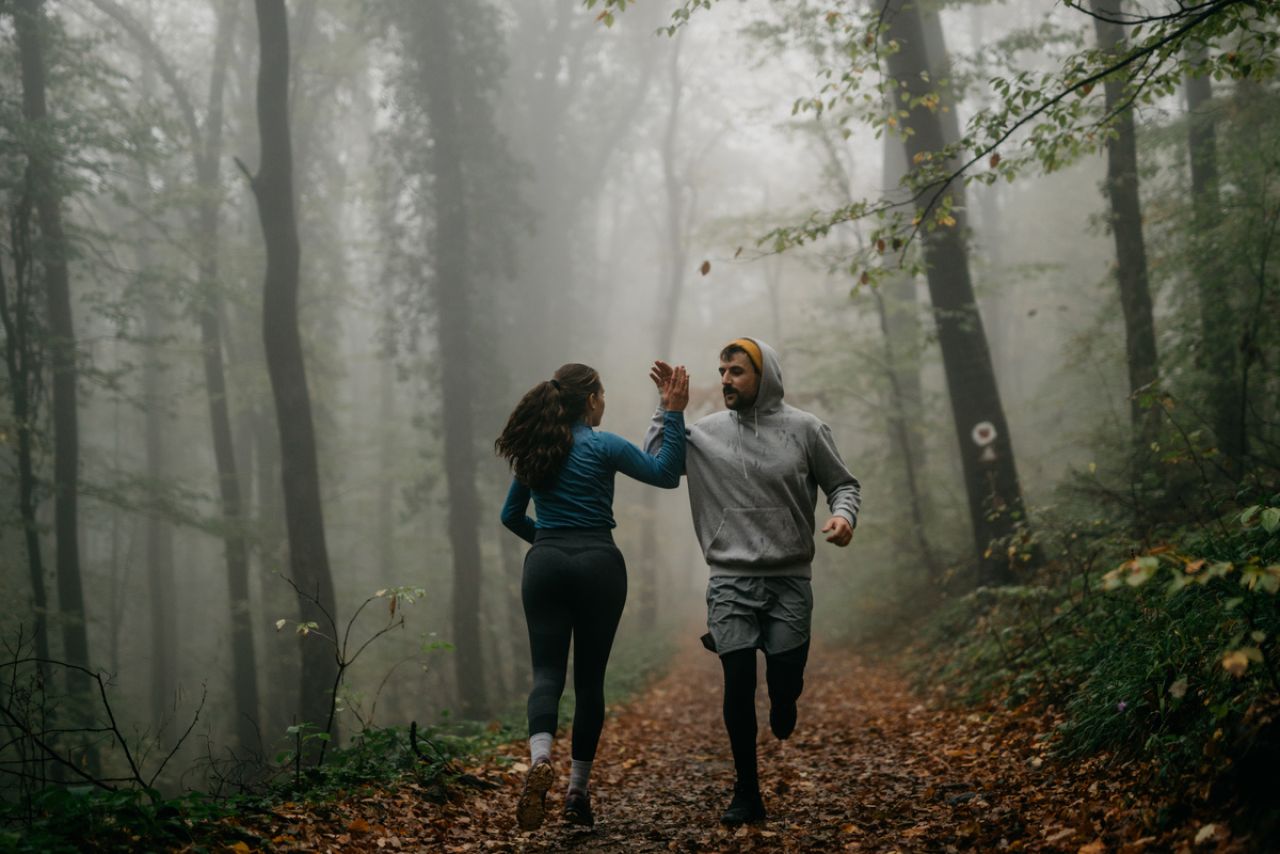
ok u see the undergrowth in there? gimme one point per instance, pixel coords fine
(1161, 648)
(63, 818)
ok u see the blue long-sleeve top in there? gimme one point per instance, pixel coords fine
(582, 494)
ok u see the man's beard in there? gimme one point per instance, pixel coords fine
(740, 402)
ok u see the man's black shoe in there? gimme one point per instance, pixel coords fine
(744, 808)
(577, 809)
(782, 719)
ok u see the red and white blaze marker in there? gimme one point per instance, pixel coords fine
(984, 433)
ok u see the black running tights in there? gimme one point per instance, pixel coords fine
(784, 674)
(575, 584)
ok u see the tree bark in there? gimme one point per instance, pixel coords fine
(300, 478)
(991, 476)
(1126, 227)
(1217, 302)
(53, 250)
(23, 364)
(451, 285)
(209, 190)
(158, 535)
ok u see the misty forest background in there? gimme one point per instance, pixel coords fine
(272, 277)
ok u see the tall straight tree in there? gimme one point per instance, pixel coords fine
(441, 62)
(206, 151)
(671, 279)
(24, 366)
(1217, 303)
(1126, 223)
(52, 250)
(209, 186)
(986, 450)
(898, 313)
(300, 474)
(157, 424)
(575, 97)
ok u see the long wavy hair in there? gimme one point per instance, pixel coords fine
(539, 432)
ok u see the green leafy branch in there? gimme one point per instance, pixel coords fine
(1051, 112)
(345, 654)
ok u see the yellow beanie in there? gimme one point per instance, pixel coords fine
(753, 352)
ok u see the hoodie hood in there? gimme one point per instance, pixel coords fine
(754, 477)
(769, 395)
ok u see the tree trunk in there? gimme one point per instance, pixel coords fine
(1217, 303)
(300, 477)
(52, 249)
(454, 323)
(158, 535)
(518, 637)
(671, 286)
(1126, 227)
(209, 189)
(900, 325)
(991, 477)
(206, 149)
(161, 590)
(22, 356)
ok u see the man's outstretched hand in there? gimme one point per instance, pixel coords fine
(839, 530)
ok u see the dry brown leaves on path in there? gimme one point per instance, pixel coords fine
(871, 767)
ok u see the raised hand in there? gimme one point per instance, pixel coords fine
(660, 373)
(674, 388)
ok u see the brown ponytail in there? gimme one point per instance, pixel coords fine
(539, 432)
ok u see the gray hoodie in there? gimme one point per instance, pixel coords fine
(753, 479)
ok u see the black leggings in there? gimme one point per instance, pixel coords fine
(575, 584)
(784, 673)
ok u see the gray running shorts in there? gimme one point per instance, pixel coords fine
(754, 612)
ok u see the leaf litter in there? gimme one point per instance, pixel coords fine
(872, 766)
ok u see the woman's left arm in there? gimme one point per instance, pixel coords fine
(662, 470)
(513, 511)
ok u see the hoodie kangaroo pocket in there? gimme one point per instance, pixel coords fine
(758, 535)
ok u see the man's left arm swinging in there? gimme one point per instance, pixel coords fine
(844, 493)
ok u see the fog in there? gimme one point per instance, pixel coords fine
(483, 193)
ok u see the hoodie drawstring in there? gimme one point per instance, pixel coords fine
(742, 458)
(755, 419)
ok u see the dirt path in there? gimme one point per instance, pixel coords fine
(869, 768)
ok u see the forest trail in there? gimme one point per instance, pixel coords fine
(871, 767)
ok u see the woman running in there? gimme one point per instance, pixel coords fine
(575, 580)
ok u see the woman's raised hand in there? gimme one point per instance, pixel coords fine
(674, 386)
(660, 373)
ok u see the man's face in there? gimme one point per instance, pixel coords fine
(739, 381)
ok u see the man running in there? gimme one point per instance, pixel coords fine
(753, 476)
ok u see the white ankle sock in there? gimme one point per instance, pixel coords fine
(539, 746)
(579, 774)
